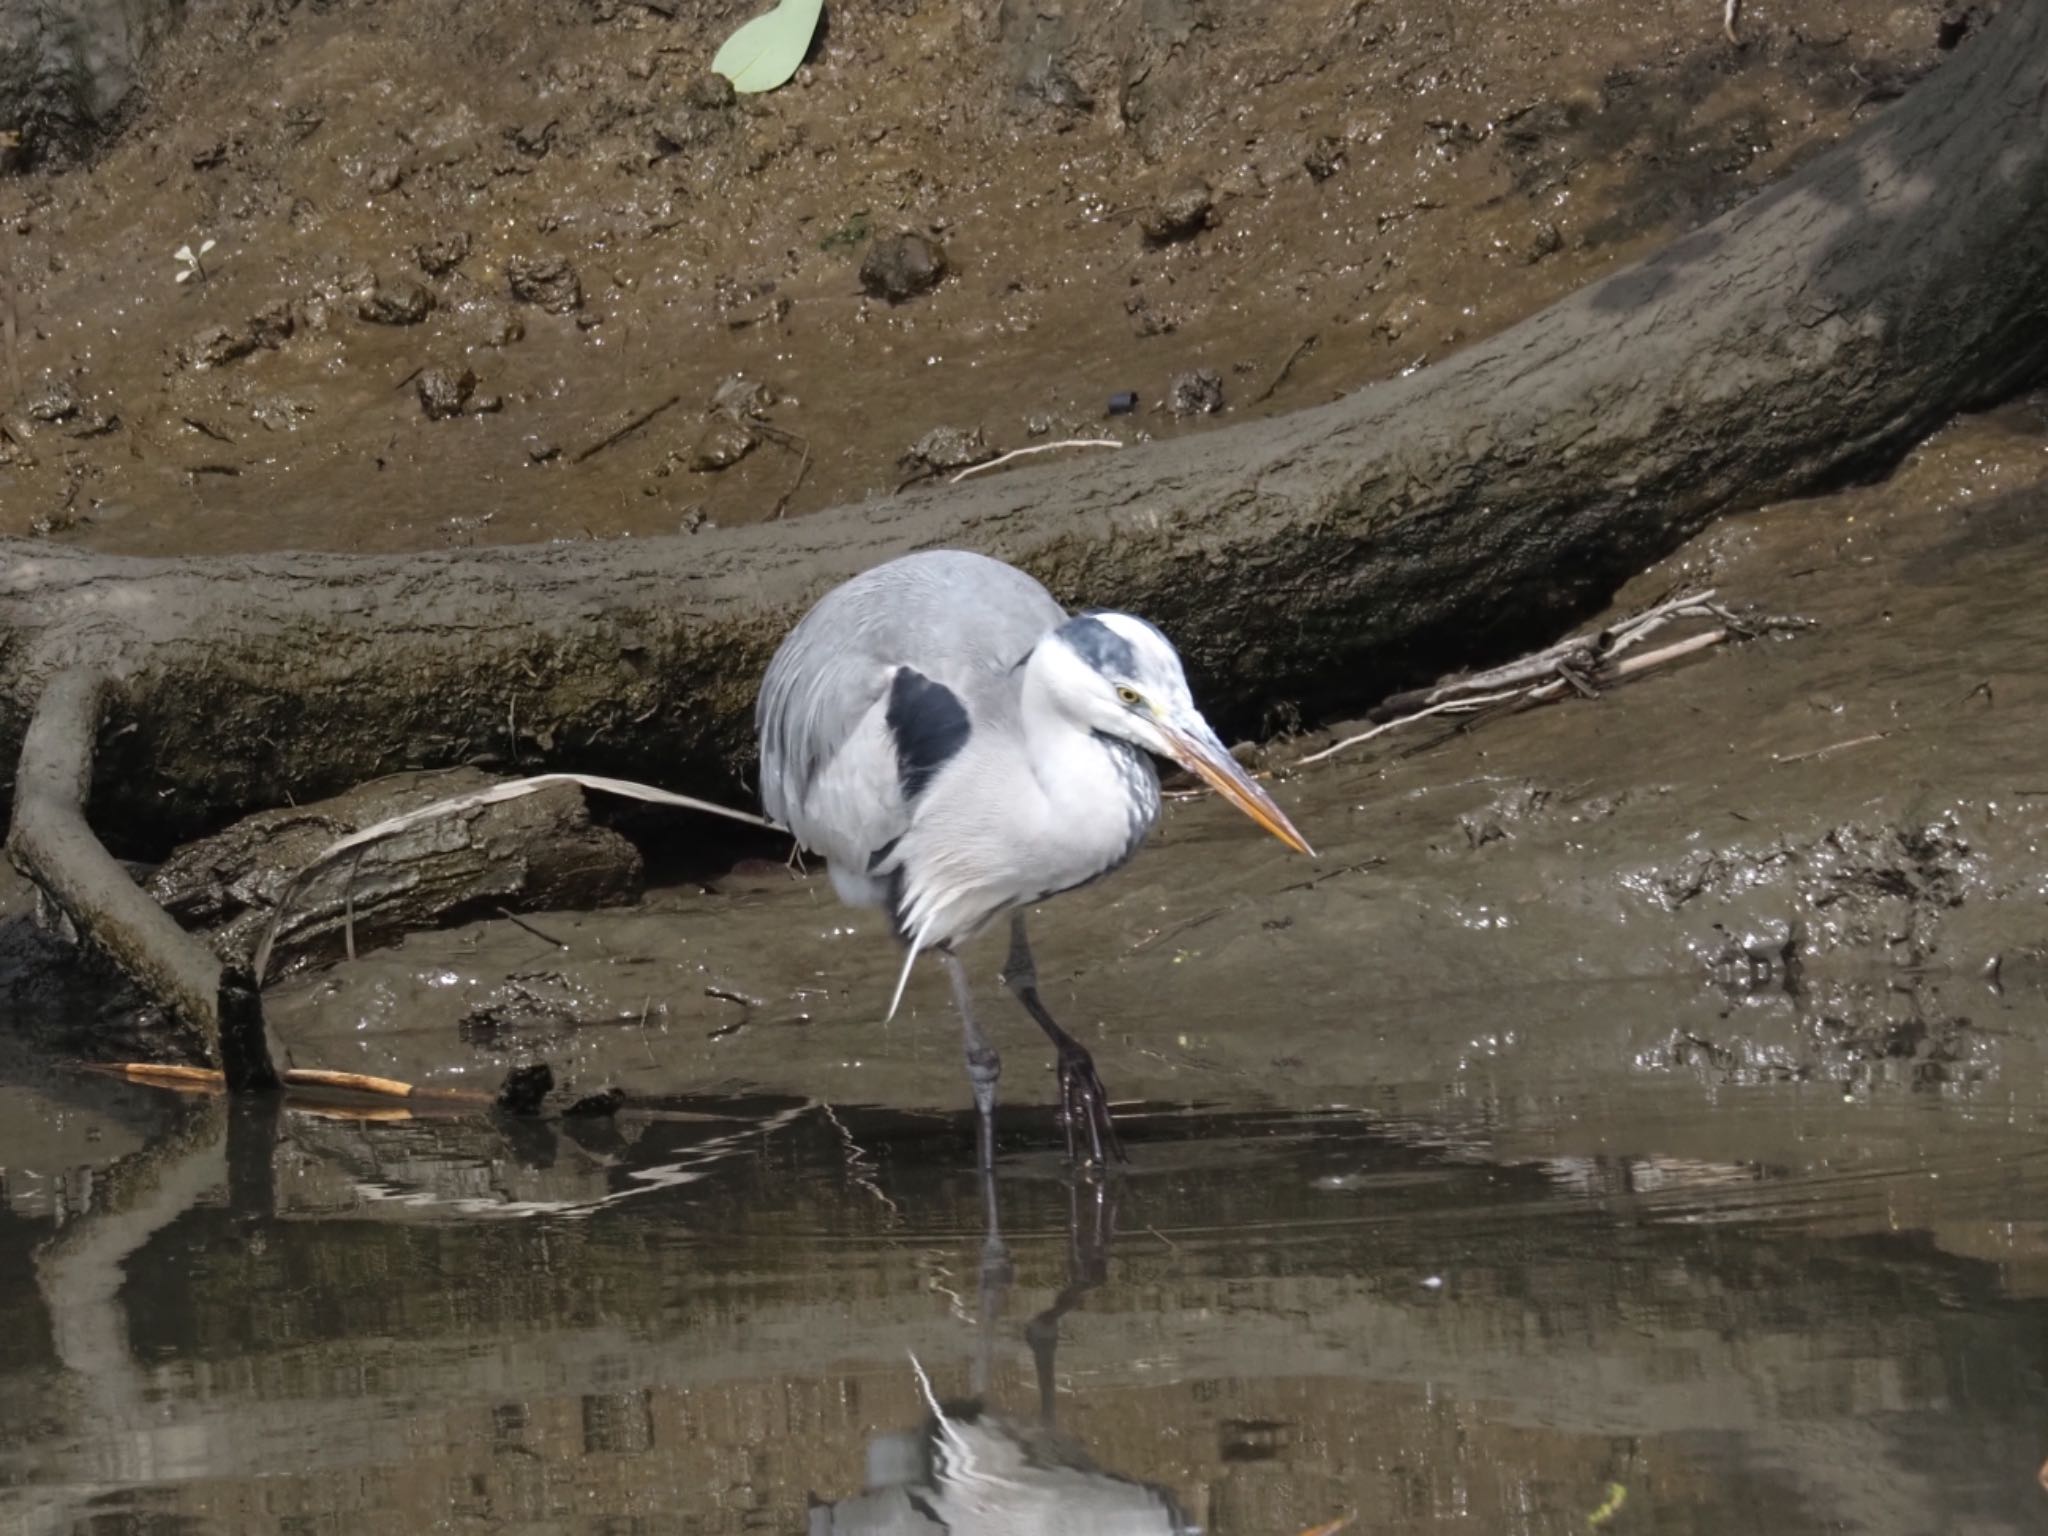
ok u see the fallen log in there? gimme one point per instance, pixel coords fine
(1437, 520)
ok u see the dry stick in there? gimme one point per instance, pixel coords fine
(1534, 693)
(1017, 453)
(519, 922)
(166, 1075)
(787, 440)
(1839, 746)
(1471, 701)
(54, 845)
(511, 789)
(628, 429)
(1583, 652)
(1285, 369)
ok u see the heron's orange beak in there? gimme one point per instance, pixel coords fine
(1202, 754)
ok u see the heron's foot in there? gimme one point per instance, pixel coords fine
(1084, 1102)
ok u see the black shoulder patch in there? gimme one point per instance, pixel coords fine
(1100, 646)
(929, 724)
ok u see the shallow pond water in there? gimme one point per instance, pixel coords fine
(1772, 1305)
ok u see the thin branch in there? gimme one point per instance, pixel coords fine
(1286, 368)
(1557, 661)
(1017, 453)
(1470, 702)
(628, 429)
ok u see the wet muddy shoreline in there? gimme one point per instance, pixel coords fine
(1818, 849)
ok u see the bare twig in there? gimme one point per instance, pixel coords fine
(1833, 747)
(1447, 706)
(1018, 453)
(519, 922)
(628, 429)
(787, 440)
(1578, 665)
(207, 1080)
(1286, 368)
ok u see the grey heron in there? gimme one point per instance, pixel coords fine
(958, 747)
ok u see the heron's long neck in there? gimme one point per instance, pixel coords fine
(1102, 793)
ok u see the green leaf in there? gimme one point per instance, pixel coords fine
(766, 51)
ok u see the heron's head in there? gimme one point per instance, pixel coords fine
(1113, 673)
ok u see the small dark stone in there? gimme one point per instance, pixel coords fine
(442, 254)
(945, 448)
(1180, 215)
(444, 391)
(272, 325)
(722, 444)
(1323, 158)
(709, 92)
(1123, 404)
(689, 129)
(1545, 240)
(740, 397)
(542, 450)
(492, 323)
(899, 267)
(56, 401)
(1052, 83)
(525, 1088)
(1198, 392)
(402, 302)
(215, 347)
(548, 281)
(601, 1104)
(386, 178)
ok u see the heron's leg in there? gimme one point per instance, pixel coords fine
(1082, 1096)
(984, 1066)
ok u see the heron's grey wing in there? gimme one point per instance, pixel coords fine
(846, 741)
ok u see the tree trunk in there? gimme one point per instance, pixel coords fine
(1814, 333)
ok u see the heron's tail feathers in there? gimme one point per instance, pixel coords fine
(909, 959)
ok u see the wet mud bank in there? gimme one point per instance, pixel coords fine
(1815, 855)
(1811, 856)
(552, 202)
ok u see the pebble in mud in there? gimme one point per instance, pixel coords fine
(215, 347)
(444, 391)
(401, 302)
(945, 448)
(1198, 392)
(442, 254)
(549, 281)
(1180, 215)
(722, 444)
(709, 92)
(900, 267)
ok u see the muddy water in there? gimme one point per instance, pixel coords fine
(702, 1318)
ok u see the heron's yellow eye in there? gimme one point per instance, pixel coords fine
(1126, 695)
